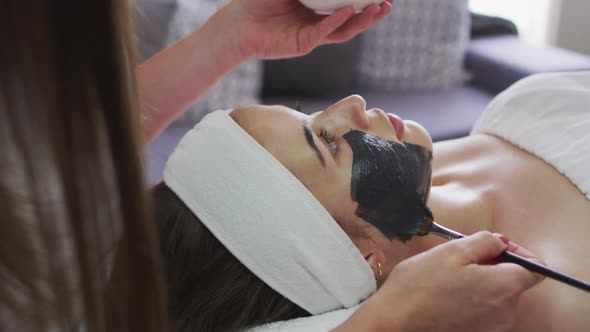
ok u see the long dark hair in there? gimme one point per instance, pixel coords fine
(209, 289)
(72, 198)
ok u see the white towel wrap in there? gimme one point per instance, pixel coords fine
(547, 115)
(266, 218)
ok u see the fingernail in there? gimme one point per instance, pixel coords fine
(502, 238)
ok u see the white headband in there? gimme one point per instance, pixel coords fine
(266, 218)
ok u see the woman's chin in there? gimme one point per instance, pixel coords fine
(416, 134)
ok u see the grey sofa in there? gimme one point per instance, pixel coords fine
(495, 59)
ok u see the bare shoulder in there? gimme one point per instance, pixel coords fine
(531, 202)
(553, 307)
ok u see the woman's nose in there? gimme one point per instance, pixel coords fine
(351, 111)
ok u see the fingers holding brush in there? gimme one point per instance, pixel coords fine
(517, 276)
(480, 248)
(521, 251)
(482, 251)
(449, 289)
(483, 247)
(524, 277)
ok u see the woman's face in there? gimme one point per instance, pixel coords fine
(316, 149)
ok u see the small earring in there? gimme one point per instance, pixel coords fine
(379, 271)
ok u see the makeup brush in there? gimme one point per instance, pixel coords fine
(435, 229)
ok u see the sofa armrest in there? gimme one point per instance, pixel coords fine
(499, 61)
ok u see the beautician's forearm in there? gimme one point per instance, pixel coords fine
(173, 79)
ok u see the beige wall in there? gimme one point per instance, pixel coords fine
(573, 25)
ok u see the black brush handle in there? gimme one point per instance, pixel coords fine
(510, 257)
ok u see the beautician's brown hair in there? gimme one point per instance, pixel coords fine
(78, 249)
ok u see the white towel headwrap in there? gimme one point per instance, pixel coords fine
(266, 218)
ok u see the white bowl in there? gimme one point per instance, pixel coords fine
(327, 7)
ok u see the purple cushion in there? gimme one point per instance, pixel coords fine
(497, 62)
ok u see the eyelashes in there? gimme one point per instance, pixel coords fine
(327, 137)
(324, 134)
(330, 141)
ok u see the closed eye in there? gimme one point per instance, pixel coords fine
(329, 140)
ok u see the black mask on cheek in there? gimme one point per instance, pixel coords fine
(390, 182)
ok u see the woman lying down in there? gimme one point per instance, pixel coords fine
(241, 194)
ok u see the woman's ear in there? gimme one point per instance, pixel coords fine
(372, 245)
(377, 261)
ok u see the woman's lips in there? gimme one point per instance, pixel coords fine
(398, 125)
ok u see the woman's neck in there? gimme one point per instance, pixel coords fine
(463, 194)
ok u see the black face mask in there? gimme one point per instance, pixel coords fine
(390, 182)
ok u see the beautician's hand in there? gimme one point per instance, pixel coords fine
(449, 288)
(244, 29)
(285, 28)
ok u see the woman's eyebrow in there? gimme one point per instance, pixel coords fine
(309, 139)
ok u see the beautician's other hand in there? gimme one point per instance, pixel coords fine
(243, 29)
(285, 28)
(449, 288)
